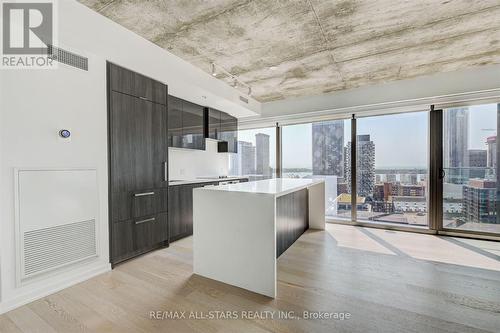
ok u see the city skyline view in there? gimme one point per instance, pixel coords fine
(298, 151)
(392, 164)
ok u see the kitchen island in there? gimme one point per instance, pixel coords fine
(239, 230)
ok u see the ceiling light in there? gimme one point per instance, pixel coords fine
(273, 68)
(213, 69)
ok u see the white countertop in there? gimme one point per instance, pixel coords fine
(276, 186)
(203, 180)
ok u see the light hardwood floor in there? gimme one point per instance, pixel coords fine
(387, 281)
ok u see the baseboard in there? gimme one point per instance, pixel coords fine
(55, 285)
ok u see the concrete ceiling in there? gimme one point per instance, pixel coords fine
(317, 47)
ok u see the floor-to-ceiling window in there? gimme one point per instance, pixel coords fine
(391, 169)
(397, 181)
(256, 157)
(317, 150)
(470, 182)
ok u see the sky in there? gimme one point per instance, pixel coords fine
(400, 139)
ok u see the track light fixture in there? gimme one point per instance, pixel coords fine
(214, 73)
(234, 81)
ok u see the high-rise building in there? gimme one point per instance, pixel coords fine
(327, 148)
(263, 166)
(479, 201)
(478, 160)
(247, 161)
(235, 166)
(365, 165)
(455, 145)
(491, 142)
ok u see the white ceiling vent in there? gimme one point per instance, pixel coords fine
(243, 99)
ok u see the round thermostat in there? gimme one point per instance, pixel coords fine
(64, 133)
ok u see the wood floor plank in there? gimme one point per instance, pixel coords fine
(386, 281)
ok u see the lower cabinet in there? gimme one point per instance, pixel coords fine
(136, 236)
(292, 219)
(180, 210)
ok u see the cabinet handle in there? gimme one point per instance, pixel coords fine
(146, 220)
(143, 98)
(144, 194)
(165, 172)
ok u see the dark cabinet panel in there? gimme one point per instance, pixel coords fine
(138, 155)
(128, 205)
(213, 123)
(192, 126)
(229, 133)
(138, 140)
(292, 219)
(180, 210)
(150, 231)
(135, 84)
(186, 124)
(174, 122)
(133, 237)
(151, 90)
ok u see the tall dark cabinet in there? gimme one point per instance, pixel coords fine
(138, 163)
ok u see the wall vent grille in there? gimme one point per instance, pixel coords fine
(243, 99)
(68, 58)
(54, 247)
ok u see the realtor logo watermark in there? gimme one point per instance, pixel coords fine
(28, 33)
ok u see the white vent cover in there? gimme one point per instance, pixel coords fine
(50, 248)
(56, 218)
(68, 58)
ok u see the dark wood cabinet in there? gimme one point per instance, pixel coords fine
(223, 127)
(138, 163)
(137, 236)
(292, 219)
(181, 209)
(186, 124)
(192, 126)
(212, 123)
(174, 122)
(228, 133)
(135, 84)
(138, 140)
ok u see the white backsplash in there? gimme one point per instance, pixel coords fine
(188, 164)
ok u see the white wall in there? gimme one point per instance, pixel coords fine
(190, 164)
(35, 104)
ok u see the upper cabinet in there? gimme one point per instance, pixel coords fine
(174, 122)
(192, 126)
(228, 133)
(134, 84)
(213, 123)
(223, 127)
(186, 124)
